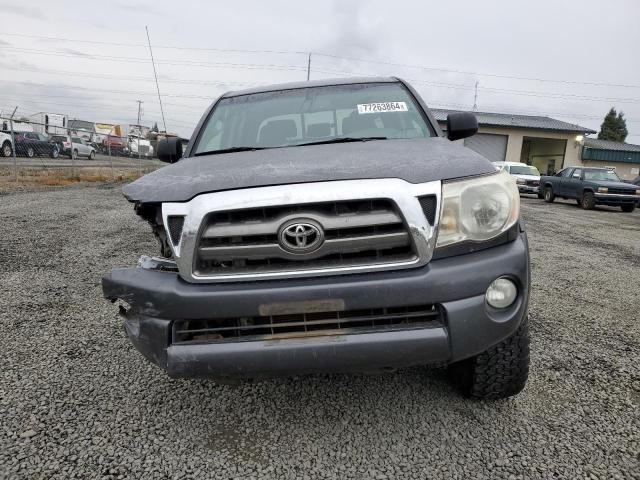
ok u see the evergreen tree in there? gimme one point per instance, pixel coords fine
(614, 127)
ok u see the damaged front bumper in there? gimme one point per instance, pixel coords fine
(158, 297)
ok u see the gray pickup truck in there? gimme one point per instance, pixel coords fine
(329, 226)
(590, 186)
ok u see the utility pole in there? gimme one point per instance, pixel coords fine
(309, 67)
(155, 74)
(140, 131)
(475, 99)
(140, 102)
(13, 145)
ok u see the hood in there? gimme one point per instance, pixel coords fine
(413, 160)
(612, 184)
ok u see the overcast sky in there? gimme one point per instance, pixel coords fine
(571, 60)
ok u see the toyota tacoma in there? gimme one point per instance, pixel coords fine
(329, 226)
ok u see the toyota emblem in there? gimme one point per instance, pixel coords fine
(301, 236)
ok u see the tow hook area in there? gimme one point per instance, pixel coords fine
(157, 263)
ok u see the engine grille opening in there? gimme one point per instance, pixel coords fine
(429, 203)
(300, 325)
(175, 224)
(356, 232)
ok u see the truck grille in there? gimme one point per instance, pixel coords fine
(279, 327)
(355, 233)
(533, 183)
(621, 191)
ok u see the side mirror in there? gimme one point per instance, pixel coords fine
(170, 150)
(461, 125)
(576, 175)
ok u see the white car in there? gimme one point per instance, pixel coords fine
(6, 144)
(527, 176)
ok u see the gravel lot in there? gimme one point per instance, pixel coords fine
(77, 401)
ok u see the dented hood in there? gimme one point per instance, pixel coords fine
(413, 160)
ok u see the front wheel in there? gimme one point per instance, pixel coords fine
(6, 149)
(628, 208)
(500, 372)
(588, 201)
(540, 194)
(74, 154)
(55, 152)
(92, 155)
(549, 196)
(30, 152)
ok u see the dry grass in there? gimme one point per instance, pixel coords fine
(34, 178)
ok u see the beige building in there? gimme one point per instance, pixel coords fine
(544, 142)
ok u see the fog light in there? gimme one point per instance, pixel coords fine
(501, 293)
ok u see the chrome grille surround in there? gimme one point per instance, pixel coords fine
(403, 194)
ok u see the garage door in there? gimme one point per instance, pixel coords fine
(492, 147)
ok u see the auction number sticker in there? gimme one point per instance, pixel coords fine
(381, 107)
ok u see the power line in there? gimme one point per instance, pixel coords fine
(122, 77)
(141, 45)
(125, 59)
(340, 57)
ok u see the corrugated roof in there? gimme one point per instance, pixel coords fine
(610, 145)
(488, 119)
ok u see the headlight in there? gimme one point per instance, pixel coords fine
(603, 189)
(478, 209)
(637, 192)
(521, 181)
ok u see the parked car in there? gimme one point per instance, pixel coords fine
(527, 176)
(34, 144)
(114, 145)
(591, 186)
(6, 144)
(75, 147)
(377, 245)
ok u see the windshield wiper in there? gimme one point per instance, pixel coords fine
(229, 150)
(340, 140)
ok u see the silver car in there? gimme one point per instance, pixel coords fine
(79, 148)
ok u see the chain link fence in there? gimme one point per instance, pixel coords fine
(53, 146)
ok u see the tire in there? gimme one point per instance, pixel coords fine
(549, 196)
(500, 372)
(628, 208)
(74, 154)
(6, 149)
(92, 155)
(540, 195)
(55, 153)
(30, 152)
(588, 201)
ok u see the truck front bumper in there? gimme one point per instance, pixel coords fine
(616, 200)
(457, 285)
(530, 189)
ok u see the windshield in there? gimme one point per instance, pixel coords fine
(601, 175)
(524, 170)
(315, 114)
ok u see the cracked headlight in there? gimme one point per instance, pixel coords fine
(479, 209)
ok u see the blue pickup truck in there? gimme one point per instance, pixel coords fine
(591, 186)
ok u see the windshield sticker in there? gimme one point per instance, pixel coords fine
(381, 107)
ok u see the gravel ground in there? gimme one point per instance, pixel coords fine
(77, 401)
